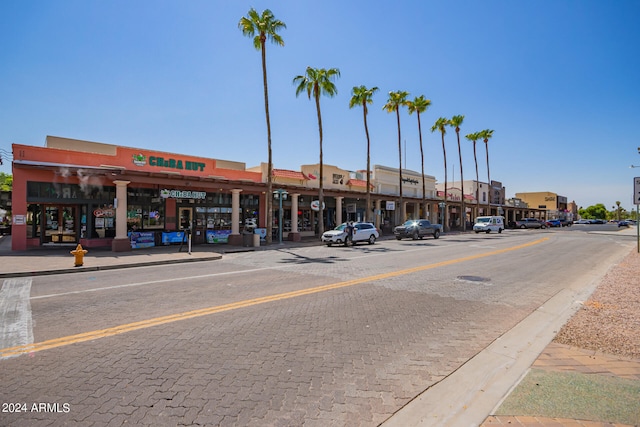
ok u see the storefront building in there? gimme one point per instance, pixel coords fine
(73, 192)
(387, 183)
(553, 205)
(96, 194)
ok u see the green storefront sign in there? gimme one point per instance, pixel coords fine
(176, 164)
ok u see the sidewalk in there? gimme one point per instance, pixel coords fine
(59, 260)
(562, 384)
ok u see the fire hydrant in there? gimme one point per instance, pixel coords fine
(79, 253)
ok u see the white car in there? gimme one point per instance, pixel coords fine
(362, 232)
(488, 224)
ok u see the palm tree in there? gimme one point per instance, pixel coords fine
(455, 122)
(486, 135)
(395, 101)
(318, 81)
(618, 210)
(262, 28)
(363, 96)
(474, 137)
(420, 105)
(441, 125)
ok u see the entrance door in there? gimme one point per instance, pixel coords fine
(60, 224)
(185, 215)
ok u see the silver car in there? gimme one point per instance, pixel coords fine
(530, 223)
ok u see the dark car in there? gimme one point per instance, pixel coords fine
(417, 229)
(624, 223)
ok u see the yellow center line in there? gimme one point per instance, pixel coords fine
(148, 323)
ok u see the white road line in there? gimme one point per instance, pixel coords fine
(16, 325)
(152, 282)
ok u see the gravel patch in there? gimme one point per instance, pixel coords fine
(609, 321)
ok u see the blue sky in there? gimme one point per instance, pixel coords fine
(557, 80)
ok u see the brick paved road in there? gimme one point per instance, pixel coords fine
(348, 356)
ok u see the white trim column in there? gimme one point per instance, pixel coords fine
(294, 235)
(235, 238)
(294, 212)
(235, 211)
(121, 242)
(339, 210)
(377, 213)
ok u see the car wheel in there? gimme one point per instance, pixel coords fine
(477, 232)
(499, 230)
(372, 239)
(488, 231)
(415, 235)
(436, 234)
(329, 244)
(398, 238)
(523, 226)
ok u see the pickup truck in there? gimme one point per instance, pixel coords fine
(417, 229)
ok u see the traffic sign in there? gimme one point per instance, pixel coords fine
(636, 190)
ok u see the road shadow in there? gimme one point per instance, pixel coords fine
(297, 258)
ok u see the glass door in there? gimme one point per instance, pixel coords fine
(59, 224)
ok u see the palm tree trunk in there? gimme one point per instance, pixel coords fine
(424, 195)
(475, 159)
(269, 199)
(320, 184)
(486, 145)
(464, 208)
(367, 212)
(444, 215)
(400, 169)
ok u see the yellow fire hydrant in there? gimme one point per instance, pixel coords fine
(79, 253)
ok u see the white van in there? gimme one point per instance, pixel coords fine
(489, 224)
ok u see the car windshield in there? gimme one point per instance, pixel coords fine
(340, 227)
(410, 222)
(483, 220)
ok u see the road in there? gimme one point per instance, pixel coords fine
(310, 336)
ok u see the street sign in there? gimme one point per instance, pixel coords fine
(636, 190)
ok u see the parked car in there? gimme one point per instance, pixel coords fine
(565, 222)
(530, 223)
(362, 232)
(489, 224)
(417, 229)
(553, 223)
(597, 221)
(582, 221)
(623, 223)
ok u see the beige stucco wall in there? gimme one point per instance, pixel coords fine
(541, 198)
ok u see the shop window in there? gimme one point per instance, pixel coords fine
(145, 210)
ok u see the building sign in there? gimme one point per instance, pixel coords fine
(161, 162)
(391, 206)
(142, 239)
(218, 236)
(179, 194)
(108, 212)
(410, 181)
